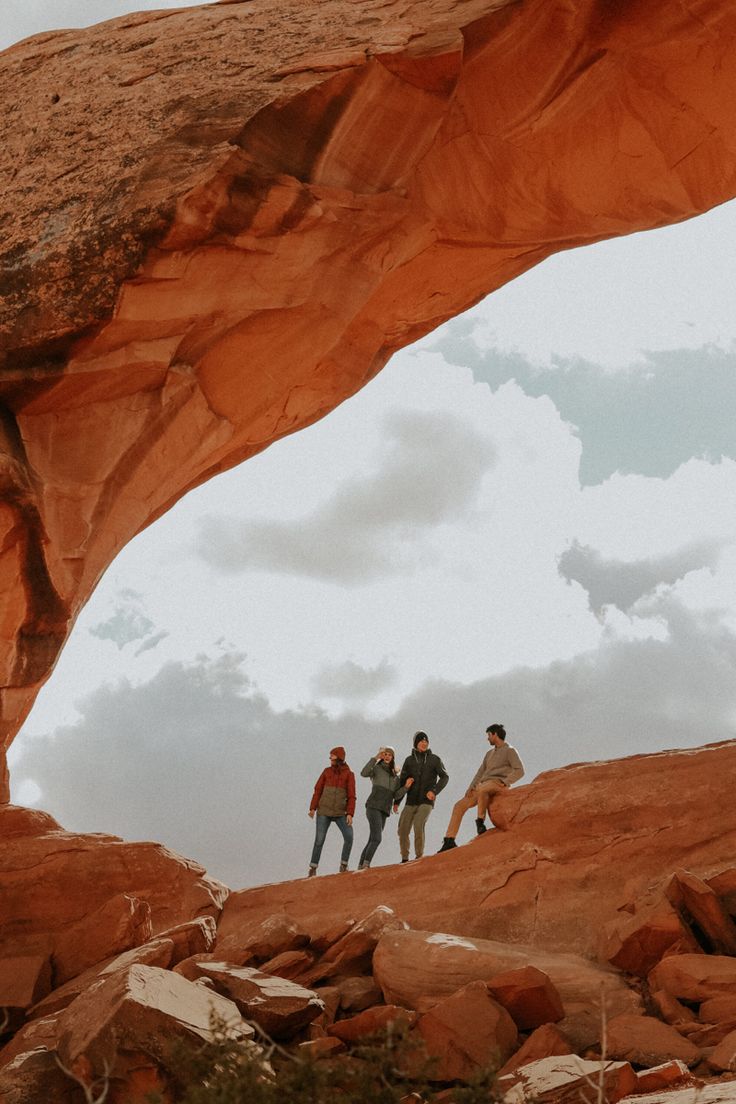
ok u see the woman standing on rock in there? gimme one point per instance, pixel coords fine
(382, 772)
(333, 800)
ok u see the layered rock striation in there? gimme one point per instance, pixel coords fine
(218, 223)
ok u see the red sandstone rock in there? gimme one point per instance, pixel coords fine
(723, 885)
(38, 1034)
(529, 996)
(194, 937)
(695, 977)
(189, 968)
(330, 997)
(670, 1009)
(568, 1080)
(117, 925)
(723, 1057)
(370, 1022)
(686, 891)
(357, 993)
(663, 1076)
(289, 964)
(159, 952)
(546, 1042)
(23, 982)
(34, 1076)
(718, 1009)
(141, 1009)
(321, 1048)
(355, 949)
(635, 944)
(644, 1041)
(410, 965)
(594, 835)
(467, 1032)
(325, 937)
(705, 1036)
(261, 941)
(80, 875)
(338, 196)
(278, 1006)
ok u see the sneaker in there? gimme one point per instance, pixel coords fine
(404, 860)
(312, 871)
(343, 868)
(480, 826)
(364, 866)
(447, 844)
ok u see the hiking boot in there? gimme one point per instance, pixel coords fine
(405, 860)
(343, 868)
(447, 844)
(480, 826)
(312, 871)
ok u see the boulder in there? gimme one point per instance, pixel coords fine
(38, 1034)
(415, 966)
(719, 1009)
(315, 1049)
(34, 1077)
(158, 952)
(546, 1042)
(567, 1080)
(670, 1009)
(370, 1022)
(663, 1077)
(467, 1032)
(262, 941)
(723, 1056)
(279, 1007)
(119, 924)
(644, 1041)
(143, 1008)
(326, 936)
(53, 882)
(289, 964)
(193, 937)
(695, 977)
(357, 993)
(354, 950)
(24, 980)
(635, 944)
(528, 995)
(688, 892)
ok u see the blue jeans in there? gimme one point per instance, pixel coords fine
(376, 821)
(323, 823)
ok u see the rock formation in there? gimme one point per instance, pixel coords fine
(219, 223)
(141, 948)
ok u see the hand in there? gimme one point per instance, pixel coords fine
(409, 783)
(349, 819)
(396, 807)
(431, 795)
(311, 812)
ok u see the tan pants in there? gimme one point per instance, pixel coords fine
(481, 796)
(413, 816)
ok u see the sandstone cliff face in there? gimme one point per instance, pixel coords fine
(219, 223)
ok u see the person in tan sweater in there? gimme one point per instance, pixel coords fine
(501, 767)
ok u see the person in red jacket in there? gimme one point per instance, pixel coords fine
(333, 800)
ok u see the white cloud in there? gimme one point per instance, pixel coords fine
(348, 681)
(372, 524)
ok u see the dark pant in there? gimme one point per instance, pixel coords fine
(323, 823)
(376, 821)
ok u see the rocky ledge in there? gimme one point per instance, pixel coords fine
(590, 935)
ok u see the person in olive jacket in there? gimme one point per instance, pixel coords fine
(333, 800)
(382, 771)
(423, 776)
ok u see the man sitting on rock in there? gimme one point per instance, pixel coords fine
(500, 768)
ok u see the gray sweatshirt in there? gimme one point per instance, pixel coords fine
(502, 763)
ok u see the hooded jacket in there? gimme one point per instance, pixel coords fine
(385, 786)
(429, 774)
(334, 793)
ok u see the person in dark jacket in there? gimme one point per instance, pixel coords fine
(382, 771)
(333, 800)
(423, 776)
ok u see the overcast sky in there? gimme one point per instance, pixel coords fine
(526, 518)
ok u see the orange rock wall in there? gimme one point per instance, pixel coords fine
(219, 223)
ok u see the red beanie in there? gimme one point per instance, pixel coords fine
(338, 751)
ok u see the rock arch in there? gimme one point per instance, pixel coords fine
(220, 222)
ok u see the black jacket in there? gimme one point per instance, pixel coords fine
(428, 772)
